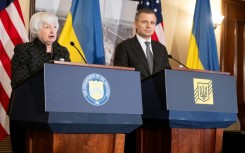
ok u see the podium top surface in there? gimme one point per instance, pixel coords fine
(95, 65)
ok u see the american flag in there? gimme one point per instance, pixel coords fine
(155, 5)
(12, 32)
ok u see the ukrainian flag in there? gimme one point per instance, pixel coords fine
(83, 27)
(202, 52)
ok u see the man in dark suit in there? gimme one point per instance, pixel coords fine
(134, 52)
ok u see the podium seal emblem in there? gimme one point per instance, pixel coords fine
(203, 91)
(96, 89)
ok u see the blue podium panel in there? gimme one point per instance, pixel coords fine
(86, 89)
(198, 91)
(190, 99)
(79, 99)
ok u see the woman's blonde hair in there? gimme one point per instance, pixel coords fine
(40, 18)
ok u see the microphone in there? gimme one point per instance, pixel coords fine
(170, 56)
(72, 44)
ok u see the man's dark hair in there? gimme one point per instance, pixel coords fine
(144, 10)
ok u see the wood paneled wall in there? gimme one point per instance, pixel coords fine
(233, 49)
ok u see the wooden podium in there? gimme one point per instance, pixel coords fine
(73, 108)
(40, 142)
(185, 111)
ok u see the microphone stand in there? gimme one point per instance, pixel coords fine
(72, 44)
(170, 56)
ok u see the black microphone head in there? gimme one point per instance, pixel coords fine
(170, 56)
(72, 43)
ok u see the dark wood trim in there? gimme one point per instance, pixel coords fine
(232, 49)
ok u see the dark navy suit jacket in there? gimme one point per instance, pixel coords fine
(129, 53)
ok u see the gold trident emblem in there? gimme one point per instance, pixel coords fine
(203, 91)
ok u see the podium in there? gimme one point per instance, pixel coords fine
(186, 111)
(73, 108)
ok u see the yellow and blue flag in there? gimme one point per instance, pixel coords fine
(83, 27)
(202, 52)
